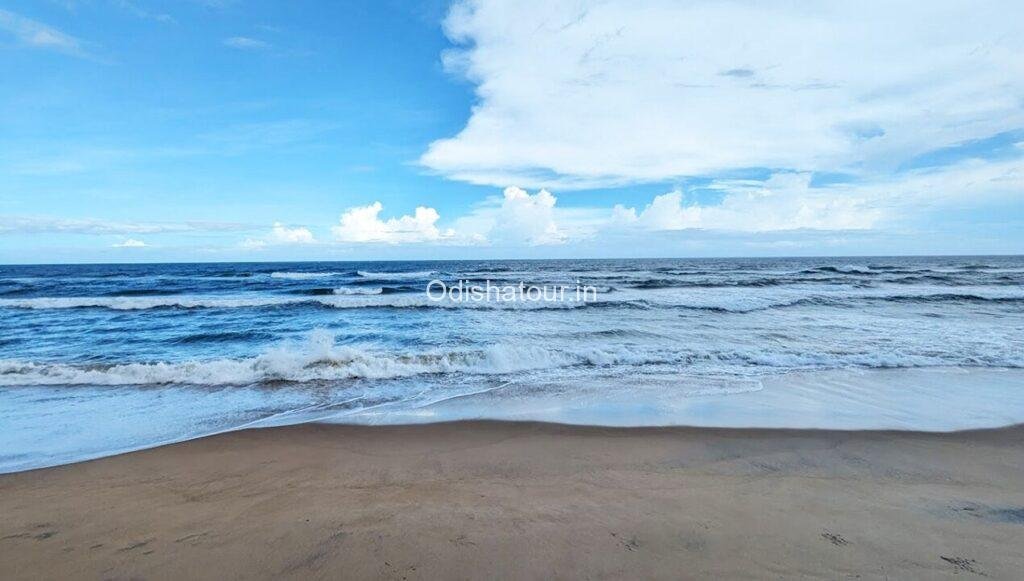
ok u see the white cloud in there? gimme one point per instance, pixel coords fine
(38, 35)
(285, 235)
(280, 235)
(253, 244)
(787, 201)
(363, 224)
(130, 243)
(517, 218)
(783, 202)
(582, 94)
(246, 43)
(528, 218)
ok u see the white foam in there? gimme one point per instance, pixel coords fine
(422, 274)
(358, 291)
(139, 303)
(343, 300)
(854, 269)
(316, 359)
(741, 300)
(725, 299)
(304, 275)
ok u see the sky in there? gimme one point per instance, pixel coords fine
(259, 130)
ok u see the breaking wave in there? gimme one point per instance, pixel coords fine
(404, 298)
(422, 274)
(305, 275)
(316, 359)
(358, 291)
(319, 359)
(347, 299)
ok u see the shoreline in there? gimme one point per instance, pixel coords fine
(522, 500)
(902, 400)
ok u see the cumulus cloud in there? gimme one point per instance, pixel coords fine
(285, 235)
(363, 224)
(28, 32)
(646, 91)
(788, 201)
(783, 202)
(528, 218)
(516, 218)
(130, 243)
(281, 235)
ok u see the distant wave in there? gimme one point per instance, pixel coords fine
(330, 291)
(221, 337)
(142, 292)
(422, 274)
(950, 297)
(304, 275)
(402, 298)
(889, 277)
(355, 300)
(358, 291)
(847, 269)
(317, 359)
(862, 270)
(142, 303)
(753, 304)
(655, 283)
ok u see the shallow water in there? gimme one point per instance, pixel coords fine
(104, 358)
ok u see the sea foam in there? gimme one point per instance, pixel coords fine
(304, 275)
(315, 359)
(422, 274)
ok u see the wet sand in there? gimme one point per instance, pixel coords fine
(525, 501)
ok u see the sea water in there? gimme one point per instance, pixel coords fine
(99, 359)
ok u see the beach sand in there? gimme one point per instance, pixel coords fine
(525, 501)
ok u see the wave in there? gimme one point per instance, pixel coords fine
(915, 278)
(142, 292)
(404, 297)
(656, 283)
(358, 291)
(422, 274)
(949, 297)
(305, 275)
(394, 298)
(754, 305)
(144, 303)
(329, 291)
(847, 269)
(316, 359)
(222, 337)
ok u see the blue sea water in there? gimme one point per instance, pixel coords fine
(99, 359)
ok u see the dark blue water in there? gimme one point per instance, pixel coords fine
(101, 358)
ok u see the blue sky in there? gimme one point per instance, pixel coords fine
(138, 130)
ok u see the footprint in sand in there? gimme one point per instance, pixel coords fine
(962, 564)
(837, 540)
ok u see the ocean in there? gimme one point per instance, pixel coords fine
(101, 359)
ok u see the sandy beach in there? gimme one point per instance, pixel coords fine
(505, 500)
